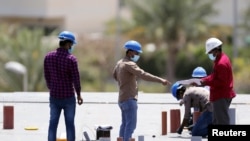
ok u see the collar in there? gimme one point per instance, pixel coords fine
(218, 56)
(62, 49)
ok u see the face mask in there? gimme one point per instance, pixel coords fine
(135, 58)
(211, 57)
(70, 50)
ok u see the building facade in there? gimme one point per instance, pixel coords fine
(80, 16)
(88, 16)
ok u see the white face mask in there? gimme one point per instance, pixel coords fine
(70, 50)
(135, 58)
(211, 57)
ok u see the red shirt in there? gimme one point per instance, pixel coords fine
(221, 79)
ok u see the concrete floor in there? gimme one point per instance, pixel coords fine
(32, 110)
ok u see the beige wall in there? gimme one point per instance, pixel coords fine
(85, 16)
(225, 10)
(23, 8)
(77, 15)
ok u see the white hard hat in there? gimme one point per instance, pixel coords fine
(212, 43)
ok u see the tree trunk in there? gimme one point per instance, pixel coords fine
(171, 61)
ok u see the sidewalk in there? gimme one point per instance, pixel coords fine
(32, 109)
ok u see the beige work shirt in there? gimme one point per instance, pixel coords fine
(126, 73)
(197, 97)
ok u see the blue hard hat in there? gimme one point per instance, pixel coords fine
(199, 72)
(67, 35)
(175, 87)
(133, 45)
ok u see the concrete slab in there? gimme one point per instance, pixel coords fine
(32, 109)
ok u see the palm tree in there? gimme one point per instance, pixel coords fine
(25, 46)
(171, 23)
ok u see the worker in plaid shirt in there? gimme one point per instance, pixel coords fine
(63, 80)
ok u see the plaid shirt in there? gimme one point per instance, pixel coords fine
(61, 74)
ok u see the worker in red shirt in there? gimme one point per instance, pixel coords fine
(220, 82)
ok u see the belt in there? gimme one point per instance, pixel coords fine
(134, 99)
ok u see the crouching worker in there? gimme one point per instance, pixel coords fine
(197, 98)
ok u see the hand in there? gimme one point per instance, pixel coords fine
(179, 130)
(193, 84)
(201, 83)
(165, 82)
(79, 100)
(181, 102)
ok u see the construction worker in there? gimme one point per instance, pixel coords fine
(197, 98)
(220, 82)
(63, 81)
(126, 73)
(198, 72)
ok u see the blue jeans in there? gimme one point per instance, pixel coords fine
(56, 106)
(201, 126)
(129, 118)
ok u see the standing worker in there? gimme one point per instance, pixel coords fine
(126, 73)
(220, 82)
(63, 80)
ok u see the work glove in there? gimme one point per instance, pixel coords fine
(179, 130)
